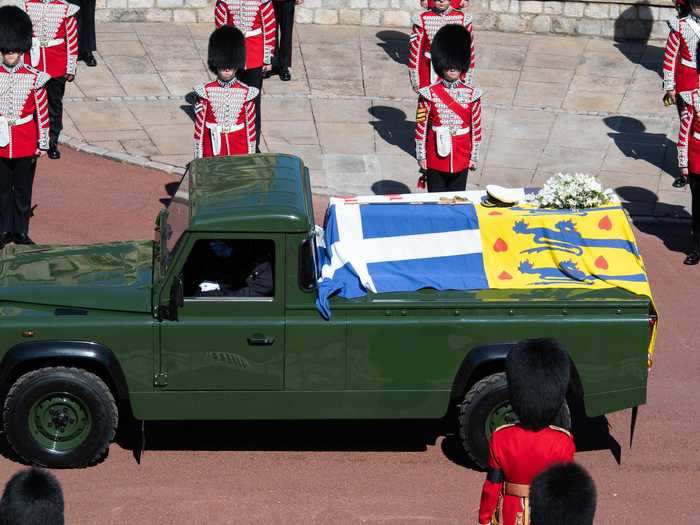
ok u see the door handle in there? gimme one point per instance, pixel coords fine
(260, 340)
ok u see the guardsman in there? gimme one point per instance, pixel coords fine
(225, 109)
(563, 494)
(54, 51)
(256, 20)
(538, 378)
(24, 125)
(448, 119)
(679, 73)
(425, 27)
(689, 164)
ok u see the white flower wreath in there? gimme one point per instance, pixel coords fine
(571, 191)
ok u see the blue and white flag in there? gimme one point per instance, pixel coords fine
(387, 246)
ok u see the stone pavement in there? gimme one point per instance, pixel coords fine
(550, 104)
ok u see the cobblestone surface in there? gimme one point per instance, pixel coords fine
(550, 104)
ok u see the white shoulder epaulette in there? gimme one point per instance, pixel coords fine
(674, 23)
(72, 8)
(468, 19)
(476, 93)
(252, 93)
(425, 93)
(41, 79)
(560, 430)
(201, 91)
(417, 20)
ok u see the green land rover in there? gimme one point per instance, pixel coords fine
(89, 333)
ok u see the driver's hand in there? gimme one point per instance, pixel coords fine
(208, 286)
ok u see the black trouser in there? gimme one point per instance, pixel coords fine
(55, 89)
(254, 78)
(441, 181)
(284, 13)
(87, 41)
(16, 180)
(694, 183)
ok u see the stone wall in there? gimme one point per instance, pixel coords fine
(631, 19)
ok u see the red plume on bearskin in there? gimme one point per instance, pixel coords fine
(563, 493)
(15, 29)
(538, 372)
(451, 49)
(226, 49)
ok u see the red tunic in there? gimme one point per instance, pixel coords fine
(521, 455)
(24, 115)
(680, 57)
(689, 135)
(463, 126)
(425, 27)
(256, 20)
(55, 42)
(224, 119)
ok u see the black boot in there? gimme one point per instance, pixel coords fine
(680, 182)
(53, 152)
(88, 58)
(23, 238)
(692, 259)
(5, 238)
(285, 75)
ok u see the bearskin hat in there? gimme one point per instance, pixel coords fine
(15, 29)
(563, 493)
(32, 497)
(451, 49)
(226, 49)
(538, 377)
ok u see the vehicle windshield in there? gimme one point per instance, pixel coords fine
(176, 221)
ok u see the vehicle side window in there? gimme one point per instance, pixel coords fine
(230, 268)
(307, 265)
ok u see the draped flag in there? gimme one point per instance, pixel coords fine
(409, 242)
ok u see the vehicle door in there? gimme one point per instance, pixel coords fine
(229, 332)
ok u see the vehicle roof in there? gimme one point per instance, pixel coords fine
(250, 193)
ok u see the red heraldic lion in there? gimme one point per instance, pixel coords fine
(256, 20)
(55, 43)
(425, 27)
(538, 373)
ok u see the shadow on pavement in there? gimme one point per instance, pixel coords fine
(393, 128)
(632, 139)
(632, 31)
(676, 237)
(395, 44)
(367, 436)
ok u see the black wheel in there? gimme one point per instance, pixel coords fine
(487, 407)
(60, 417)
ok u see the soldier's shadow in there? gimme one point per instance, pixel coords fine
(631, 34)
(393, 128)
(395, 44)
(631, 138)
(188, 109)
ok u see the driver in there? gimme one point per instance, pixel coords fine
(259, 277)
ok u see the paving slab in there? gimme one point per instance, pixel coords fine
(550, 104)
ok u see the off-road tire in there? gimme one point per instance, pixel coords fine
(478, 403)
(88, 391)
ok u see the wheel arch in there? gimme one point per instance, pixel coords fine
(91, 356)
(485, 360)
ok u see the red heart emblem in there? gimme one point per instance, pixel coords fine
(601, 263)
(605, 223)
(504, 276)
(495, 213)
(500, 246)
